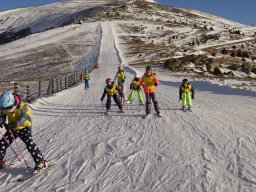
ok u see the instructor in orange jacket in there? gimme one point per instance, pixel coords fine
(149, 81)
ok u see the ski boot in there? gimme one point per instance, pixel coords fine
(183, 109)
(107, 112)
(146, 116)
(40, 167)
(159, 114)
(189, 109)
(121, 111)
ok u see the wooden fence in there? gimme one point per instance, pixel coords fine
(34, 88)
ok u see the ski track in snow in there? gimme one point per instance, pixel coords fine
(211, 148)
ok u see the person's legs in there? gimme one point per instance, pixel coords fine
(148, 103)
(141, 100)
(184, 100)
(155, 102)
(86, 84)
(26, 136)
(131, 96)
(117, 101)
(108, 104)
(121, 85)
(189, 100)
(4, 143)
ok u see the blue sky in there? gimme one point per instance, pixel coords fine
(11, 4)
(243, 11)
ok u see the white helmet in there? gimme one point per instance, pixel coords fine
(136, 75)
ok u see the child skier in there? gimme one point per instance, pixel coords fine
(111, 91)
(135, 87)
(149, 82)
(120, 80)
(86, 79)
(15, 116)
(186, 94)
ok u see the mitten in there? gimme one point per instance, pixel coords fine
(12, 125)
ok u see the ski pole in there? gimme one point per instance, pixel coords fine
(10, 145)
(21, 154)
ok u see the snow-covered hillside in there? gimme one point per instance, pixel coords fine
(209, 149)
(46, 17)
(148, 33)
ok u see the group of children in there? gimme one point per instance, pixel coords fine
(15, 114)
(149, 82)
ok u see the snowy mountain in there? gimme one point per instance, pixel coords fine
(211, 148)
(185, 41)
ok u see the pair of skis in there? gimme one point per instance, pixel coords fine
(32, 175)
(186, 110)
(147, 116)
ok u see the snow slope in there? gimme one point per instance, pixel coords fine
(47, 16)
(209, 149)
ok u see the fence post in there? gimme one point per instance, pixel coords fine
(66, 82)
(61, 87)
(49, 87)
(39, 88)
(57, 85)
(28, 99)
(15, 87)
(52, 85)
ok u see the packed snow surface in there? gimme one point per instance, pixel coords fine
(209, 149)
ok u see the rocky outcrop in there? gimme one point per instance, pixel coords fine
(198, 60)
(234, 67)
(218, 71)
(10, 36)
(247, 68)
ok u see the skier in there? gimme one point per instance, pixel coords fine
(16, 118)
(120, 75)
(135, 87)
(186, 94)
(149, 82)
(111, 91)
(86, 79)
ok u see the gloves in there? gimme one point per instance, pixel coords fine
(193, 97)
(123, 81)
(101, 100)
(12, 125)
(155, 84)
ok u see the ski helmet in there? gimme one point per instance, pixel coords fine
(148, 68)
(185, 80)
(7, 99)
(136, 75)
(108, 80)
